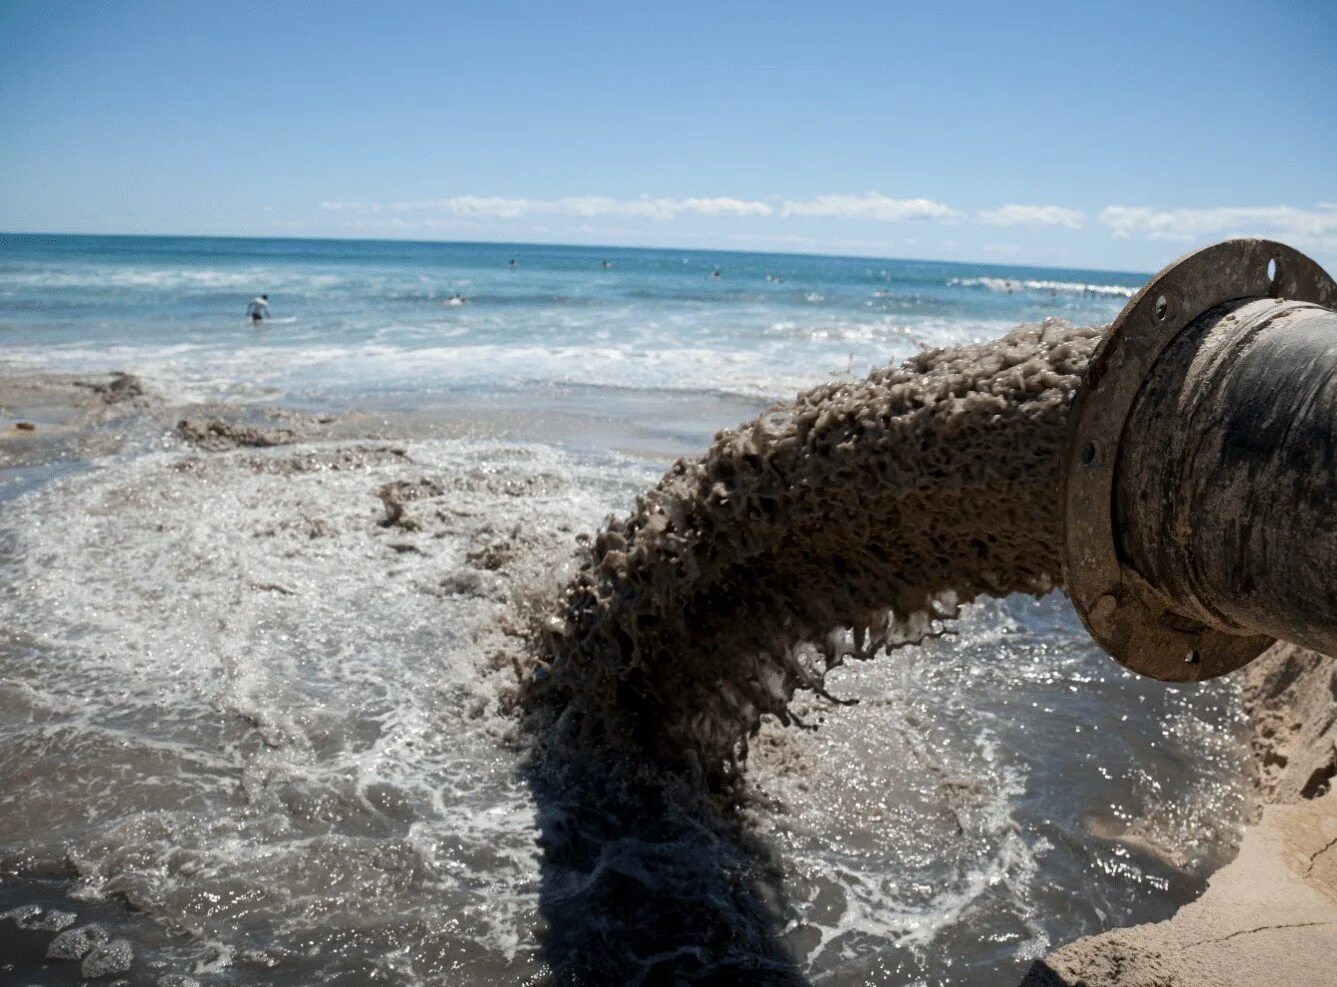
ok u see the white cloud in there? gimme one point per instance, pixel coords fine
(474, 205)
(1318, 224)
(661, 208)
(581, 206)
(352, 207)
(727, 207)
(866, 206)
(1014, 215)
(870, 205)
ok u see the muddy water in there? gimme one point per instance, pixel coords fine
(267, 697)
(855, 519)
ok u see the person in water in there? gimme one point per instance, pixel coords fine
(456, 299)
(512, 264)
(258, 309)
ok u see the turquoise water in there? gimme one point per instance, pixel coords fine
(360, 317)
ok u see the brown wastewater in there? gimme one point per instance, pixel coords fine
(855, 521)
(335, 706)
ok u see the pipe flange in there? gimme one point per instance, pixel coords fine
(1123, 613)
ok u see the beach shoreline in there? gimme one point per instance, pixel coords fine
(1270, 914)
(78, 428)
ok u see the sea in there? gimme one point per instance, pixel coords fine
(353, 319)
(257, 734)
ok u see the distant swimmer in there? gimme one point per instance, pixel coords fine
(513, 264)
(715, 273)
(258, 309)
(607, 264)
(455, 299)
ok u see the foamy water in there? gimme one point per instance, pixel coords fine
(235, 698)
(232, 696)
(354, 317)
(1050, 287)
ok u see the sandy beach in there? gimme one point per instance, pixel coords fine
(82, 425)
(429, 530)
(1270, 914)
(562, 495)
(280, 607)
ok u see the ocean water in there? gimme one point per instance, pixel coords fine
(235, 699)
(359, 317)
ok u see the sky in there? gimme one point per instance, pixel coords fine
(1101, 135)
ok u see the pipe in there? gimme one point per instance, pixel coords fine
(1200, 479)
(1226, 486)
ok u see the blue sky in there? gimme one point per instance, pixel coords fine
(1084, 134)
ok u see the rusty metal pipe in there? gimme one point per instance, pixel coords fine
(1201, 475)
(1226, 484)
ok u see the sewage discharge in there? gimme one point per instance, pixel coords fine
(861, 516)
(1174, 472)
(857, 518)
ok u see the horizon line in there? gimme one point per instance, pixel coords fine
(585, 246)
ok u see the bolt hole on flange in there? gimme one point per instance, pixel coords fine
(1162, 309)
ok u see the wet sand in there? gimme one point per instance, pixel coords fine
(47, 420)
(411, 514)
(1270, 915)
